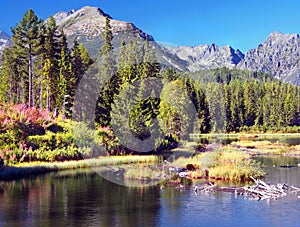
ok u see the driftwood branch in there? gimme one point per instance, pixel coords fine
(259, 191)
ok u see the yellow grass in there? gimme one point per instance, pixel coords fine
(23, 169)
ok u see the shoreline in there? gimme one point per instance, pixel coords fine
(25, 169)
(17, 171)
(242, 135)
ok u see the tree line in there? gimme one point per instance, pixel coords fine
(253, 105)
(40, 69)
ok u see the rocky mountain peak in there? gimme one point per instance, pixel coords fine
(275, 34)
(277, 38)
(89, 21)
(278, 55)
(60, 17)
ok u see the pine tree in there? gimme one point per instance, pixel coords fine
(147, 108)
(150, 65)
(26, 40)
(80, 61)
(51, 57)
(107, 71)
(10, 76)
(107, 65)
(66, 80)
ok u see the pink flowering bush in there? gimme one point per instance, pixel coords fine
(20, 114)
(17, 124)
(30, 134)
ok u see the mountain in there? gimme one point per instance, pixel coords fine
(279, 56)
(4, 41)
(87, 25)
(208, 56)
(89, 21)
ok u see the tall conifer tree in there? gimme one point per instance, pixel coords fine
(25, 38)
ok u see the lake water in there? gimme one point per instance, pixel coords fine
(83, 198)
(290, 140)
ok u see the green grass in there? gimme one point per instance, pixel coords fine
(145, 173)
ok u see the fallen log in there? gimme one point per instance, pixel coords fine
(259, 191)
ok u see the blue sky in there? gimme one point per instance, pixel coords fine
(242, 24)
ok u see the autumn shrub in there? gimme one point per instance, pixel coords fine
(22, 114)
(17, 122)
(28, 134)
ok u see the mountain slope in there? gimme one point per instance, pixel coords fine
(278, 55)
(208, 56)
(87, 25)
(89, 21)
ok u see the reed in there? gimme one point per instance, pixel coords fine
(268, 148)
(225, 163)
(34, 168)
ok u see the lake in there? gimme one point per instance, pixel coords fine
(83, 198)
(288, 139)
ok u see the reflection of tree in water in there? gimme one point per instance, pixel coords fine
(79, 200)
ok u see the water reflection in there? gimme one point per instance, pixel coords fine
(227, 140)
(83, 198)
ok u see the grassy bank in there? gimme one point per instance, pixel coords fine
(223, 164)
(267, 148)
(226, 163)
(34, 168)
(244, 135)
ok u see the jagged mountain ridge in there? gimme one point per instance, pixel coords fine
(208, 56)
(87, 24)
(278, 55)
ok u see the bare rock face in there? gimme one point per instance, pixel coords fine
(4, 41)
(208, 56)
(278, 56)
(89, 21)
